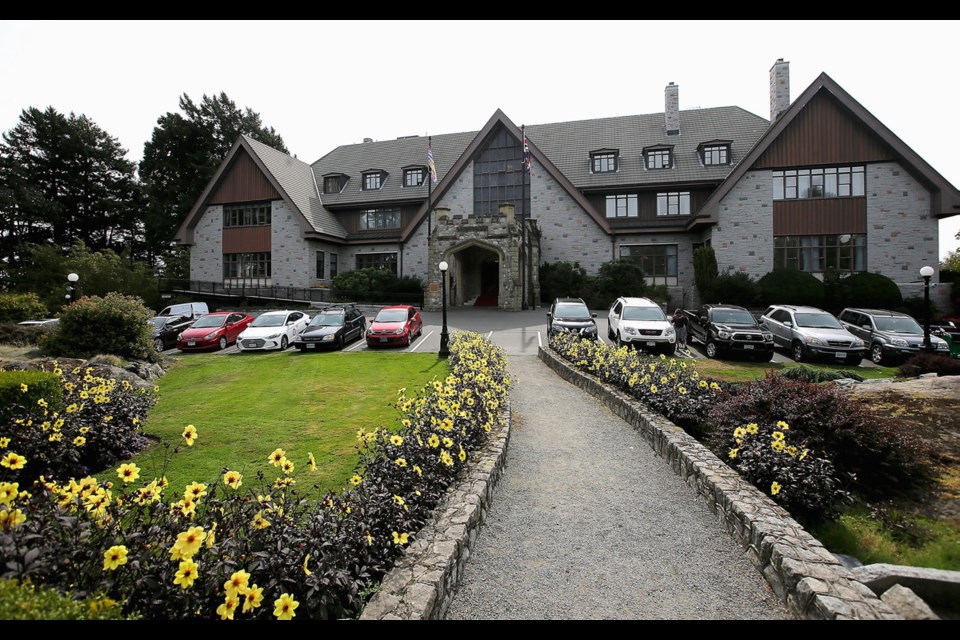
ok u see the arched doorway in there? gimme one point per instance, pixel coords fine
(476, 272)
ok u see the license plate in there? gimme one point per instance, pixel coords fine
(748, 346)
(841, 354)
(311, 346)
(383, 339)
(651, 344)
(191, 344)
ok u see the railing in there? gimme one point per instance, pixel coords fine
(260, 289)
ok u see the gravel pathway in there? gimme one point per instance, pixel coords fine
(587, 523)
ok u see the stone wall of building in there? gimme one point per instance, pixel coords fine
(206, 254)
(743, 238)
(568, 233)
(683, 293)
(293, 259)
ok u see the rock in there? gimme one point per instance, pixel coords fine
(906, 603)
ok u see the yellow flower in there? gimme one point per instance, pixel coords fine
(398, 500)
(23, 388)
(433, 441)
(417, 470)
(355, 480)
(446, 424)
(42, 403)
(775, 488)
(238, 583)
(653, 388)
(739, 432)
(462, 455)
(400, 462)
(715, 386)
(446, 459)
(189, 435)
(311, 462)
(777, 445)
(4, 443)
(369, 538)
(259, 522)
(225, 610)
(804, 454)
(114, 557)
(752, 428)
(55, 437)
(254, 597)
(188, 543)
(783, 425)
(79, 441)
(287, 466)
(447, 442)
(777, 435)
(186, 574)
(284, 607)
(13, 461)
(8, 492)
(733, 453)
(10, 519)
(277, 457)
(396, 441)
(211, 535)
(233, 479)
(792, 450)
(128, 472)
(400, 538)
(195, 490)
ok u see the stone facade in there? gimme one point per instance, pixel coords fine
(206, 254)
(293, 259)
(743, 238)
(683, 293)
(567, 232)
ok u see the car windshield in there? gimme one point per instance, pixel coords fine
(733, 316)
(391, 315)
(159, 321)
(327, 319)
(899, 325)
(208, 322)
(817, 321)
(269, 321)
(572, 312)
(643, 313)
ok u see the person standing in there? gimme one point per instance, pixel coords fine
(679, 321)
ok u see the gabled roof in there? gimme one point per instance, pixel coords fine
(293, 180)
(946, 198)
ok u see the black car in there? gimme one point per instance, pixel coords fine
(571, 315)
(332, 327)
(166, 329)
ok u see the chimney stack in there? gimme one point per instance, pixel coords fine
(779, 88)
(671, 111)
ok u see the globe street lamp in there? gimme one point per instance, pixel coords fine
(73, 287)
(927, 273)
(444, 337)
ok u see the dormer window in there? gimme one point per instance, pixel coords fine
(604, 161)
(658, 157)
(373, 180)
(715, 152)
(334, 183)
(413, 176)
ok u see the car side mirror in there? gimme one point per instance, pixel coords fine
(788, 324)
(866, 326)
(549, 315)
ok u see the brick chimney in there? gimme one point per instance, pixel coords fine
(779, 88)
(671, 109)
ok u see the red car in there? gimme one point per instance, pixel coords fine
(213, 331)
(397, 324)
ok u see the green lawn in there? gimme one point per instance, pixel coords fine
(246, 405)
(743, 371)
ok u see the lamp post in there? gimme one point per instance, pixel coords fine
(926, 272)
(73, 287)
(444, 337)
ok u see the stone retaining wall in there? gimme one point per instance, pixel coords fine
(422, 583)
(809, 579)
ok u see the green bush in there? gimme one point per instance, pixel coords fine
(916, 307)
(17, 307)
(375, 285)
(929, 363)
(114, 324)
(20, 336)
(868, 290)
(735, 287)
(25, 601)
(809, 374)
(705, 272)
(20, 390)
(561, 279)
(791, 286)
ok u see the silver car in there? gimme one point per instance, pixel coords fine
(891, 336)
(810, 333)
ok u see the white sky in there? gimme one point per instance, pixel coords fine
(321, 84)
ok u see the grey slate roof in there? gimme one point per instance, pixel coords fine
(296, 179)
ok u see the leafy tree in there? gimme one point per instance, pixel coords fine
(559, 279)
(63, 179)
(183, 154)
(705, 272)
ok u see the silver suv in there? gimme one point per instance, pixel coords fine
(641, 322)
(892, 336)
(810, 333)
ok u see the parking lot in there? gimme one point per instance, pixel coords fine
(517, 332)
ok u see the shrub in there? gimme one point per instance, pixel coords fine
(17, 307)
(236, 547)
(21, 336)
(114, 324)
(791, 286)
(869, 290)
(928, 363)
(25, 601)
(918, 308)
(68, 423)
(561, 279)
(877, 458)
(705, 272)
(735, 287)
(374, 285)
(809, 374)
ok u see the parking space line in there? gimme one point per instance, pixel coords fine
(539, 340)
(359, 343)
(420, 342)
(489, 334)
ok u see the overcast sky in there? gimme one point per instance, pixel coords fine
(321, 84)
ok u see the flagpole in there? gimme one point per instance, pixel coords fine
(523, 225)
(429, 188)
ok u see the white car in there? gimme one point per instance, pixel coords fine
(641, 322)
(273, 330)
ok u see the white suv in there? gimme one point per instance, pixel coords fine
(641, 322)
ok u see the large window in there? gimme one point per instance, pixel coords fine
(659, 159)
(622, 206)
(604, 162)
(333, 265)
(320, 264)
(657, 261)
(387, 261)
(845, 253)
(246, 265)
(372, 181)
(676, 203)
(498, 176)
(821, 182)
(413, 177)
(246, 215)
(380, 219)
(333, 184)
(716, 154)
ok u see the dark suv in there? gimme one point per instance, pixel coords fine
(571, 315)
(891, 336)
(333, 326)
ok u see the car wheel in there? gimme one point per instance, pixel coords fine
(671, 350)
(157, 345)
(876, 354)
(765, 357)
(610, 334)
(283, 343)
(340, 342)
(854, 362)
(409, 339)
(797, 352)
(223, 343)
(620, 342)
(711, 349)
